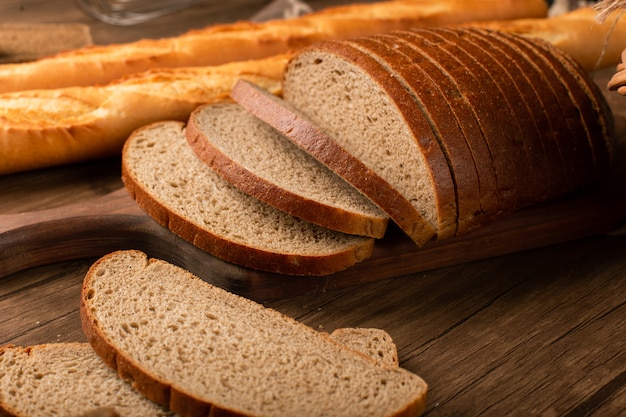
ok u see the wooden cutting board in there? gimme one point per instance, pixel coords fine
(20, 42)
(114, 221)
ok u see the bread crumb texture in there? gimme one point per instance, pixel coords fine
(232, 352)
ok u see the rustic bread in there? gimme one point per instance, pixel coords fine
(69, 379)
(179, 191)
(44, 128)
(345, 93)
(296, 126)
(426, 93)
(66, 379)
(219, 44)
(92, 121)
(231, 355)
(260, 161)
(350, 96)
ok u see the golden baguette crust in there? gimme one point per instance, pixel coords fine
(218, 44)
(42, 128)
(594, 45)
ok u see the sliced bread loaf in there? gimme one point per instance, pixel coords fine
(260, 161)
(298, 128)
(370, 114)
(377, 103)
(66, 379)
(182, 193)
(203, 351)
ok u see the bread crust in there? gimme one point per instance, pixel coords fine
(541, 117)
(287, 120)
(218, 44)
(576, 150)
(332, 217)
(423, 135)
(93, 122)
(427, 96)
(256, 258)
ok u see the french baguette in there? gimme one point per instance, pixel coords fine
(593, 44)
(219, 44)
(42, 128)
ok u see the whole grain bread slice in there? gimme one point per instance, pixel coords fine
(360, 105)
(69, 379)
(262, 162)
(296, 126)
(203, 351)
(66, 379)
(180, 192)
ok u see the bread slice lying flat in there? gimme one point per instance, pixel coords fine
(69, 379)
(182, 193)
(65, 379)
(260, 161)
(200, 350)
(297, 128)
(462, 137)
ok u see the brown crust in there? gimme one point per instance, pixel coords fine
(423, 135)
(575, 147)
(585, 93)
(426, 87)
(237, 253)
(542, 119)
(284, 118)
(493, 116)
(497, 79)
(297, 205)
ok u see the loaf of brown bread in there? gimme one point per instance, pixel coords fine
(437, 115)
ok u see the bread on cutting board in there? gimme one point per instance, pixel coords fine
(371, 97)
(231, 355)
(69, 379)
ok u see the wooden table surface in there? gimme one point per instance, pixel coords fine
(542, 332)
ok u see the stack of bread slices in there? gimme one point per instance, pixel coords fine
(440, 131)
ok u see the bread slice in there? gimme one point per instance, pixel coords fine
(66, 379)
(298, 128)
(260, 161)
(182, 193)
(201, 350)
(355, 101)
(70, 379)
